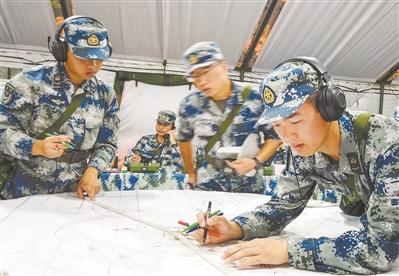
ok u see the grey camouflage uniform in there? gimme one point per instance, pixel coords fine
(35, 99)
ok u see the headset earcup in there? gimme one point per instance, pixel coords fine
(331, 103)
(338, 102)
(63, 49)
(320, 103)
(59, 50)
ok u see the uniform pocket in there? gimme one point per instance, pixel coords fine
(93, 123)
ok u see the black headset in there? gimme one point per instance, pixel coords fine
(330, 99)
(59, 47)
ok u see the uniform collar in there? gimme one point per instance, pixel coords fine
(348, 147)
(61, 82)
(349, 157)
(235, 98)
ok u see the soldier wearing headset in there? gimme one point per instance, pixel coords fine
(71, 157)
(308, 113)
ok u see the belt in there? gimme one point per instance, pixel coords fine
(74, 156)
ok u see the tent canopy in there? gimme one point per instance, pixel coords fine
(356, 40)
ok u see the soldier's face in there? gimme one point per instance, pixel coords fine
(211, 79)
(305, 131)
(79, 69)
(163, 128)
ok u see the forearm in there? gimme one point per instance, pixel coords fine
(16, 143)
(272, 217)
(268, 150)
(187, 156)
(352, 252)
(102, 156)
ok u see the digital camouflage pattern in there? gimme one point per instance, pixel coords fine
(371, 249)
(201, 54)
(165, 179)
(166, 117)
(286, 89)
(151, 151)
(199, 119)
(36, 99)
(87, 39)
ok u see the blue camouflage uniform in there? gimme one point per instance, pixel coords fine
(200, 118)
(374, 247)
(151, 151)
(34, 99)
(396, 113)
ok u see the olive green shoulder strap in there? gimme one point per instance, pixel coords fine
(75, 103)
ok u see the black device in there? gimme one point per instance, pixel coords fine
(330, 99)
(59, 47)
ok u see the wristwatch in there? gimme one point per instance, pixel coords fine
(258, 163)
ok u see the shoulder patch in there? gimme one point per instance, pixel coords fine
(7, 93)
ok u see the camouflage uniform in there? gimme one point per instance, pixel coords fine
(149, 149)
(374, 247)
(32, 101)
(200, 118)
(396, 113)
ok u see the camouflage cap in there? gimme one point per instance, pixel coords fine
(285, 89)
(166, 116)
(87, 39)
(201, 54)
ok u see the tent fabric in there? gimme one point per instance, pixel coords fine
(357, 40)
(139, 109)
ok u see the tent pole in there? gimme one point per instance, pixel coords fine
(381, 105)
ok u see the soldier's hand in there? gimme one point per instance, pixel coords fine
(172, 137)
(50, 147)
(89, 183)
(192, 179)
(219, 229)
(242, 165)
(136, 158)
(266, 251)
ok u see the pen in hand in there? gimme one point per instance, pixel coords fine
(67, 145)
(208, 212)
(194, 226)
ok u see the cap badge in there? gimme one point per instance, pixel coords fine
(193, 59)
(269, 96)
(93, 40)
(163, 117)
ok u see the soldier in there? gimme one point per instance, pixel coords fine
(396, 113)
(160, 147)
(308, 113)
(72, 156)
(202, 113)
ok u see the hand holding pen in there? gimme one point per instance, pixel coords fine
(208, 212)
(51, 146)
(219, 228)
(66, 144)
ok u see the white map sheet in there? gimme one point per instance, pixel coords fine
(134, 233)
